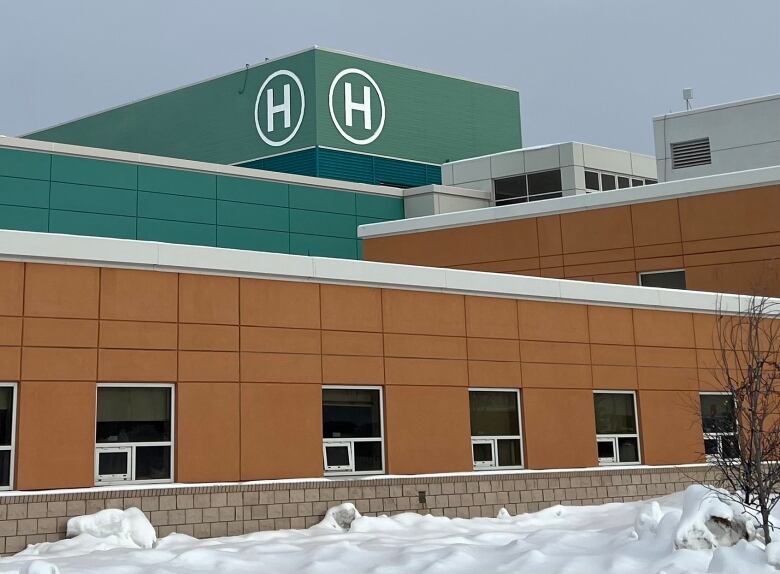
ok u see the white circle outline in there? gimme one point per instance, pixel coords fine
(378, 131)
(300, 118)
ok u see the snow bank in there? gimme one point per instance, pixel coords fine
(339, 517)
(123, 527)
(710, 519)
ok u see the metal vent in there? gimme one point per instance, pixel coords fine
(691, 153)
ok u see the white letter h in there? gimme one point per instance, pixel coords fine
(351, 106)
(283, 107)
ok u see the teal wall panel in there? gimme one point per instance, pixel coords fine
(103, 198)
(176, 232)
(379, 206)
(329, 200)
(320, 223)
(24, 192)
(253, 191)
(323, 246)
(253, 216)
(176, 207)
(101, 225)
(253, 239)
(87, 198)
(94, 172)
(24, 218)
(27, 164)
(177, 182)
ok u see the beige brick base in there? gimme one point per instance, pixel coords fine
(227, 510)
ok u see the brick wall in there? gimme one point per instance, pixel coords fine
(227, 510)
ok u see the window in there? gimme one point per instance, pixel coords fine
(674, 279)
(719, 425)
(617, 434)
(592, 180)
(637, 182)
(352, 430)
(545, 185)
(511, 190)
(623, 182)
(607, 182)
(134, 434)
(7, 433)
(691, 153)
(496, 440)
(650, 181)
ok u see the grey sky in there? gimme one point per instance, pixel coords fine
(587, 70)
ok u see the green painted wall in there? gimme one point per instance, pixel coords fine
(428, 117)
(85, 196)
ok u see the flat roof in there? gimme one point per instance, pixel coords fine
(201, 166)
(170, 257)
(717, 183)
(547, 146)
(715, 107)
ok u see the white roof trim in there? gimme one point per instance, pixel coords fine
(718, 183)
(715, 107)
(133, 254)
(201, 166)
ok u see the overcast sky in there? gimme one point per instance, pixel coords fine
(589, 70)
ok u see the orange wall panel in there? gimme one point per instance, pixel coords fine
(663, 328)
(280, 340)
(10, 363)
(670, 427)
(541, 321)
(281, 368)
(343, 369)
(346, 308)
(424, 372)
(557, 376)
(416, 312)
(11, 287)
(137, 335)
(208, 337)
(56, 438)
(431, 430)
(208, 426)
(208, 299)
(656, 222)
(495, 374)
(40, 332)
(352, 343)
(491, 318)
(280, 304)
(560, 428)
(57, 364)
(281, 431)
(208, 366)
(10, 331)
(136, 365)
(425, 346)
(61, 291)
(133, 295)
(493, 349)
(596, 229)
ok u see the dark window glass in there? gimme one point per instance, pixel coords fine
(628, 449)
(545, 185)
(650, 181)
(5, 468)
(637, 182)
(337, 455)
(717, 413)
(494, 413)
(730, 446)
(614, 413)
(350, 413)
(665, 279)
(511, 190)
(6, 414)
(112, 463)
(622, 182)
(509, 453)
(711, 446)
(368, 456)
(133, 414)
(152, 462)
(607, 182)
(606, 449)
(592, 180)
(483, 452)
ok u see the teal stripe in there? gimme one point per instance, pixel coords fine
(94, 224)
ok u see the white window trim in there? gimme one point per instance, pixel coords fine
(615, 437)
(493, 440)
(716, 435)
(104, 446)
(630, 177)
(12, 447)
(351, 441)
(643, 273)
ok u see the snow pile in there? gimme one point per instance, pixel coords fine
(656, 537)
(711, 519)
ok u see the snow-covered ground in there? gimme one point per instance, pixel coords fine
(630, 538)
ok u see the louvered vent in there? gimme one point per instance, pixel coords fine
(691, 153)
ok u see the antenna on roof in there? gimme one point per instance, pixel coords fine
(688, 96)
(246, 75)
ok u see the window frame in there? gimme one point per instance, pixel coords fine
(615, 436)
(493, 440)
(351, 441)
(717, 435)
(114, 446)
(660, 271)
(12, 447)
